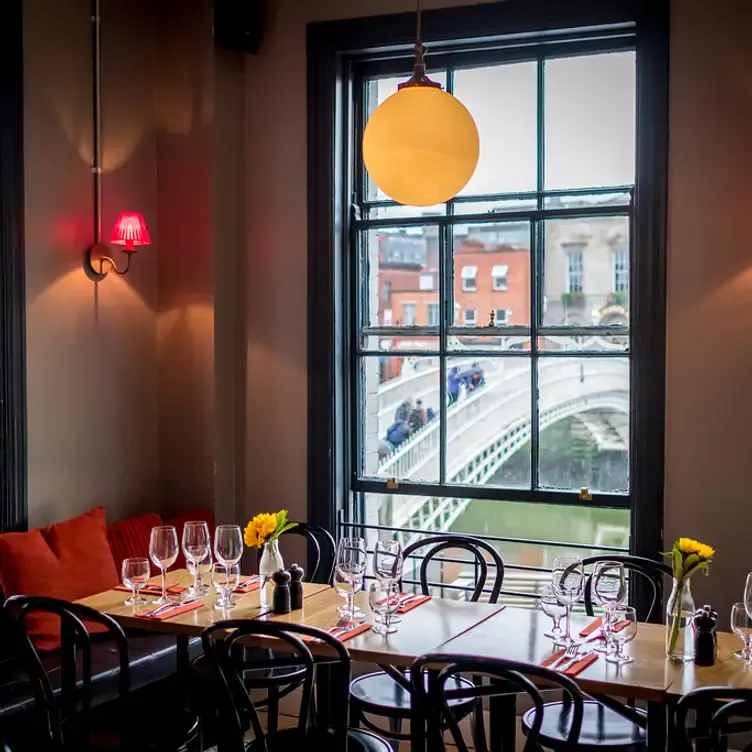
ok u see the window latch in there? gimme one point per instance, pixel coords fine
(585, 494)
(391, 484)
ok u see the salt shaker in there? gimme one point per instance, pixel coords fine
(296, 587)
(281, 597)
(705, 620)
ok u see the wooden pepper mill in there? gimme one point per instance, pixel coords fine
(296, 587)
(705, 620)
(281, 597)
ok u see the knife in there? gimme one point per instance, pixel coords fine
(569, 662)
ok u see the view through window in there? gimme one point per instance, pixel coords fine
(492, 342)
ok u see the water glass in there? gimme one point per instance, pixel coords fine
(741, 626)
(387, 560)
(163, 551)
(135, 573)
(620, 629)
(383, 600)
(349, 570)
(551, 606)
(225, 577)
(609, 589)
(748, 595)
(568, 582)
(196, 546)
(228, 544)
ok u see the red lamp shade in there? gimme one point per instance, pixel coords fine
(130, 230)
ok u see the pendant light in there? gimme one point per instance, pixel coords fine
(421, 145)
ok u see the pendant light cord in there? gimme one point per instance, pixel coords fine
(418, 29)
(419, 77)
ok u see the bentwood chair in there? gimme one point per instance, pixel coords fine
(387, 693)
(715, 709)
(321, 551)
(76, 712)
(435, 692)
(321, 554)
(238, 711)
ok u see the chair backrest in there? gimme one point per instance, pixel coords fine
(650, 571)
(321, 551)
(223, 644)
(67, 713)
(480, 551)
(716, 707)
(432, 695)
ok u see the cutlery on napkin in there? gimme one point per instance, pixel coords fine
(571, 666)
(152, 589)
(168, 610)
(342, 633)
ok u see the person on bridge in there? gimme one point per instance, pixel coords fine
(453, 385)
(418, 417)
(403, 411)
(397, 433)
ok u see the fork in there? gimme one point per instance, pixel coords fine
(569, 653)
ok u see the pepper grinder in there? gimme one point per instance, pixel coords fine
(296, 587)
(705, 620)
(281, 597)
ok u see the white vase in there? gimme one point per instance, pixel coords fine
(680, 635)
(271, 560)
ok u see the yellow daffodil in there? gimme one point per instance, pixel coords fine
(689, 546)
(264, 527)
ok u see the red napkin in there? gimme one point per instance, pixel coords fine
(168, 613)
(575, 668)
(590, 628)
(414, 603)
(152, 589)
(249, 584)
(338, 633)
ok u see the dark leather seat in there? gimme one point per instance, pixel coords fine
(153, 657)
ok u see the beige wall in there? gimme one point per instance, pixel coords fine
(92, 358)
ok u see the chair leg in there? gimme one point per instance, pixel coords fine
(272, 710)
(395, 726)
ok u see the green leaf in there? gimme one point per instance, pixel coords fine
(281, 521)
(690, 562)
(676, 563)
(701, 565)
(287, 527)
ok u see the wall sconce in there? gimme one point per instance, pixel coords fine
(129, 231)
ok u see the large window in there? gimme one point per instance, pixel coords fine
(512, 400)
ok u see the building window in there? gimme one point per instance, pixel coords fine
(574, 271)
(386, 292)
(500, 273)
(502, 317)
(408, 314)
(426, 281)
(468, 275)
(621, 271)
(536, 412)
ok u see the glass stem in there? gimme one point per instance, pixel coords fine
(568, 634)
(195, 577)
(164, 583)
(351, 605)
(136, 591)
(557, 623)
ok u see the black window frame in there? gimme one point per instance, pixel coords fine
(581, 25)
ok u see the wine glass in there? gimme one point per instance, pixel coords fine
(388, 564)
(204, 573)
(568, 581)
(163, 551)
(383, 600)
(196, 546)
(348, 573)
(551, 606)
(609, 589)
(135, 574)
(225, 578)
(620, 629)
(228, 544)
(748, 595)
(741, 626)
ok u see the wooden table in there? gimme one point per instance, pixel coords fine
(191, 623)
(470, 629)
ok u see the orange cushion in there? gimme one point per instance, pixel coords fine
(205, 515)
(68, 560)
(130, 538)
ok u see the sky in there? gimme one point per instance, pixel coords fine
(589, 118)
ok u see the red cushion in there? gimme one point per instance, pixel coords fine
(205, 515)
(68, 560)
(130, 538)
